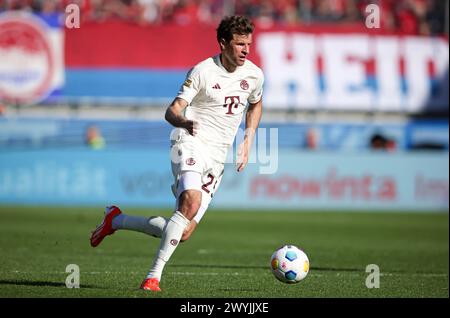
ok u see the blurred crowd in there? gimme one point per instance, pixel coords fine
(406, 16)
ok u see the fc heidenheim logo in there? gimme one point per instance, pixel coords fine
(26, 62)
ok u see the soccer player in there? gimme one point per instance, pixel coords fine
(206, 115)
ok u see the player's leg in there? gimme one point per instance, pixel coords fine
(151, 283)
(196, 220)
(153, 226)
(188, 231)
(189, 201)
(207, 195)
(115, 219)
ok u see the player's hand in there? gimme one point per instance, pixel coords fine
(242, 160)
(191, 126)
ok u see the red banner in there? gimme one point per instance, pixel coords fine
(118, 44)
(168, 46)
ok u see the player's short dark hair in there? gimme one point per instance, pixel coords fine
(235, 24)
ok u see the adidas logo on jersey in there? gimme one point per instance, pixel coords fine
(217, 86)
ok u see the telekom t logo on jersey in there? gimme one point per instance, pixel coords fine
(231, 101)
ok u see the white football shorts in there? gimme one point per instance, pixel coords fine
(188, 154)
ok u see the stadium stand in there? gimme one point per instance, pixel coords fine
(425, 17)
(109, 89)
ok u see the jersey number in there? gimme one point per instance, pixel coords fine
(207, 184)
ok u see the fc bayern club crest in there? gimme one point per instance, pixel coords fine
(244, 84)
(190, 161)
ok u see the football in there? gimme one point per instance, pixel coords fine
(289, 264)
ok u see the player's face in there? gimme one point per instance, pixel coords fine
(235, 52)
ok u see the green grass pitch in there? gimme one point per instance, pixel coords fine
(228, 256)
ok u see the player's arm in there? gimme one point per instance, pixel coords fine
(174, 115)
(252, 119)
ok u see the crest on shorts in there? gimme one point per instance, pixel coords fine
(174, 242)
(190, 161)
(244, 84)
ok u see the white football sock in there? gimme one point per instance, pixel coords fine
(153, 226)
(169, 242)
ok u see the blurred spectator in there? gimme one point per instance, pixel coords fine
(426, 17)
(94, 138)
(185, 12)
(312, 138)
(380, 142)
(409, 16)
(2, 109)
(150, 10)
(328, 11)
(353, 12)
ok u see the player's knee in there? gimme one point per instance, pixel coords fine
(185, 236)
(188, 231)
(190, 201)
(190, 210)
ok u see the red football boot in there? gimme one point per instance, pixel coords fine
(105, 228)
(151, 284)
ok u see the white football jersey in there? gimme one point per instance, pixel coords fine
(217, 100)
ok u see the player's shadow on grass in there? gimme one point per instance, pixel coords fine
(217, 266)
(238, 290)
(39, 283)
(337, 269)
